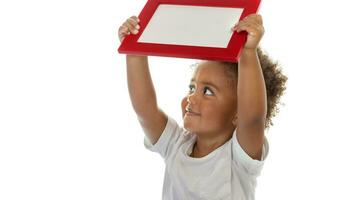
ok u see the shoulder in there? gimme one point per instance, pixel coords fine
(242, 159)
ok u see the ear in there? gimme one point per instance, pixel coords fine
(235, 120)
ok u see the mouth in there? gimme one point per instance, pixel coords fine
(189, 112)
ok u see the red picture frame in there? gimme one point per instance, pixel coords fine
(230, 54)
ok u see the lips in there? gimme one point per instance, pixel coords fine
(191, 112)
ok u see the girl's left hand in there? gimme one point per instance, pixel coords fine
(253, 24)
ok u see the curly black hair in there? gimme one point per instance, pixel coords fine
(275, 82)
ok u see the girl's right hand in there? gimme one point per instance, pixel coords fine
(130, 26)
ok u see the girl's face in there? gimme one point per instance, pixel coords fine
(211, 104)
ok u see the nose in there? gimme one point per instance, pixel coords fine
(191, 99)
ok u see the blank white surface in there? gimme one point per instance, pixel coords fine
(191, 25)
(67, 129)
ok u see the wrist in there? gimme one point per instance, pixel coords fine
(249, 50)
(247, 54)
(136, 57)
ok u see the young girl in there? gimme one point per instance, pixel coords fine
(220, 151)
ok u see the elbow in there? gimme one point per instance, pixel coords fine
(252, 116)
(252, 121)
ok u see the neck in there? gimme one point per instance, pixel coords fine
(205, 145)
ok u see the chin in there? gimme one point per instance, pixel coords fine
(187, 125)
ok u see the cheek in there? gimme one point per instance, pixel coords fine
(183, 105)
(219, 113)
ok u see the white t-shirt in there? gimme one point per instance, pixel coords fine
(226, 173)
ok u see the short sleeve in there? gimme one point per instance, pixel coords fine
(170, 135)
(252, 166)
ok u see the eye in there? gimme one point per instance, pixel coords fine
(207, 91)
(191, 89)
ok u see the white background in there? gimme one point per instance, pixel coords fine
(67, 130)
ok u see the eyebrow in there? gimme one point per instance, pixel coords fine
(207, 83)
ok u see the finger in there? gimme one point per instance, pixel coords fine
(133, 22)
(123, 29)
(254, 18)
(250, 29)
(248, 23)
(258, 19)
(122, 36)
(254, 31)
(256, 26)
(235, 25)
(131, 26)
(122, 32)
(241, 25)
(135, 18)
(239, 22)
(245, 19)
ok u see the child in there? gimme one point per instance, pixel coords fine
(221, 149)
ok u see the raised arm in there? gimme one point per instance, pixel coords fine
(251, 91)
(141, 88)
